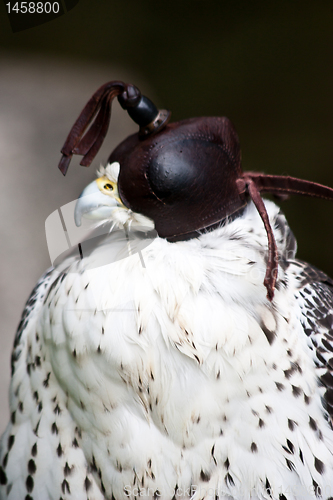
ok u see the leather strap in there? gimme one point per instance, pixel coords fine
(254, 183)
(98, 112)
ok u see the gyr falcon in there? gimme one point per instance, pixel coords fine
(183, 352)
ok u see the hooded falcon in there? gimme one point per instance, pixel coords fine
(181, 350)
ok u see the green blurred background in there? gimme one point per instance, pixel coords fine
(267, 65)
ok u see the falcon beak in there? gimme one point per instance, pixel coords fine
(98, 201)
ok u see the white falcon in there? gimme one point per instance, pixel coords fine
(199, 366)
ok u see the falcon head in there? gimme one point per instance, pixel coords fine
(185, 176)
(100, 201)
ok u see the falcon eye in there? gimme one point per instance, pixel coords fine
(108, 187)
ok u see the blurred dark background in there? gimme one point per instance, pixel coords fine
(266, 65)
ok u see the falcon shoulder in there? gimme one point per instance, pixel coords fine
(315, 300)
(39, 446)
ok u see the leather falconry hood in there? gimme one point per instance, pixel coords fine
(186, 175)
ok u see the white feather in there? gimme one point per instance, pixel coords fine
(165, 377)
